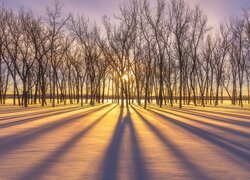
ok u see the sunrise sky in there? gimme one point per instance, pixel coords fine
(217, 10)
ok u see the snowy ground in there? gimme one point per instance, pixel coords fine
(108, 142)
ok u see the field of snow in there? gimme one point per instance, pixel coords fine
(109, 142)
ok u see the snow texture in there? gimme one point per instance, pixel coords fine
(109, 142)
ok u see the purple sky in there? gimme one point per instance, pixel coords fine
(217, 10)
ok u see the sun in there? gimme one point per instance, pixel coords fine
(125, 77)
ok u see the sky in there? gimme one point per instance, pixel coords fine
(217, 10)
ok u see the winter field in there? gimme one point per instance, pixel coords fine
(109, 142)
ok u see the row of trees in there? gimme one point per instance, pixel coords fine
(165, 52)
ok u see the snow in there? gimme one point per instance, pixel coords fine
(110, 142)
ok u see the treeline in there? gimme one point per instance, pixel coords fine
(166, 52)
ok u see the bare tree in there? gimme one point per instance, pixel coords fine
(181, 19)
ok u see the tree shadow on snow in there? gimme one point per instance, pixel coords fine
(222, 128)
(225, 144)
(110, 162)
(13, 142)
(37, 117)
(186, 162)
(41, 168)
(216, 113)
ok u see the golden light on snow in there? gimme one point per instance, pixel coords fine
(123, 143)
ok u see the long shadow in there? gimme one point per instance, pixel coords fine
(226, 129)
(45, 114)
(110, 163)
(12, 142)
(222, 107)
(220, 119)
(11, 109)
(224, 113)
(50, 114)
(209, 111)
(41, 168)
(237, 108)
(195, 170)
(35, 113)
(111, 157)
(211, 117)
(214, 126)
(223, 143)
(139, 164)
(88, 110)
(41, 111)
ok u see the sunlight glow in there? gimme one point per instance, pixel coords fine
(125, 77)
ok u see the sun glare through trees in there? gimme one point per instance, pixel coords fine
(154, 92)
(125, 77)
